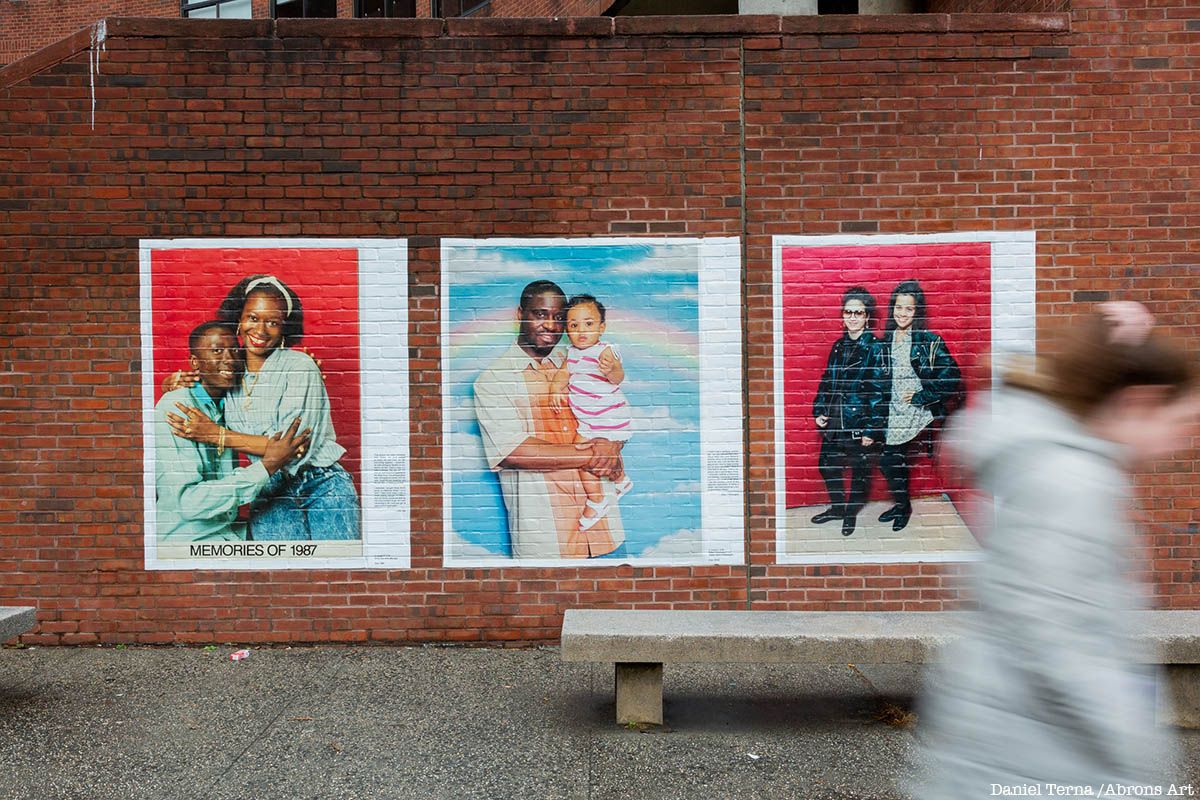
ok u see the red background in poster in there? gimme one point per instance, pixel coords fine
(189, 284)
(956, 279)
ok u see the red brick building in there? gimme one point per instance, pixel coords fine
(1075, 129)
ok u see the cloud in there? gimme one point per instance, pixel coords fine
(464, 451)
(563, 261)
(461, 421)
(687, 487)
(468, 265)
(664, 260)
(459, 548)
(690, 293)
(461, 404)
(657, 419)
(683, 543)
(661, 377)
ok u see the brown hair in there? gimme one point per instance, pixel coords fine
(1085, 366)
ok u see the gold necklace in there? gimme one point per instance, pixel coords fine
(248, 390)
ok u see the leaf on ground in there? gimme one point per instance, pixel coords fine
(897, 717)
(889, 713)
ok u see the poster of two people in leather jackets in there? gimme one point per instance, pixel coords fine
(879, 339)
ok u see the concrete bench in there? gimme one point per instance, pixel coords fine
(15, 620)
(640, 642)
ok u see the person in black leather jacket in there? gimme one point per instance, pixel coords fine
(919, 383)
(846, 411)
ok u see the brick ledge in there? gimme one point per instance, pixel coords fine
(48, 56)
(590, 27)
(930, 23)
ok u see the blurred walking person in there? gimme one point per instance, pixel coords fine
(1047, 683)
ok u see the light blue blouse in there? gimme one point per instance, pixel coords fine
(288, 385)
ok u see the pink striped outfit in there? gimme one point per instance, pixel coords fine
(599, 406)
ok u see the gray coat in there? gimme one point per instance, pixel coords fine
(1047, 684)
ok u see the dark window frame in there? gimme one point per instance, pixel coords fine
(388, 9)
(198, 5)
(828, 7)
(304, 9)
(438, 7)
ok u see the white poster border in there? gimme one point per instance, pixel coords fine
(383, 356)
(722, 512)
(1014, 307)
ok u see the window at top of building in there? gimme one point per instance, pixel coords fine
(837, 6)
(638, 8)
(216, 9)
(291, 9)
(385, 8)
(462, 8)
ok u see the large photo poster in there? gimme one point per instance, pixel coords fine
(275, 403)
(592, 402)
(878, 340)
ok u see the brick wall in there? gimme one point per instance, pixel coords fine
(548, 8)
(997, 6)
(29, 25)
(748, 127)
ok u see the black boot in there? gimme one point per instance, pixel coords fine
(893, 463)
(828, 514)
(848, 524)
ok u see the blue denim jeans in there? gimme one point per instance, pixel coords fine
(317, 504)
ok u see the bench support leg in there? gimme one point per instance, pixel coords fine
(639, 694)
(1179, 697)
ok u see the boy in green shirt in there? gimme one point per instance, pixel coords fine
(198, 488)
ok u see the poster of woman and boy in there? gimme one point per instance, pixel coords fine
(878, 340)
(253, 391)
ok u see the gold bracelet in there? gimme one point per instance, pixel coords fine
(221, 444)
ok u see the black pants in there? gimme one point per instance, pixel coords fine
(895, 462)
(840, 456)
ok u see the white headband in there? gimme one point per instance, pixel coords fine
(271, 280)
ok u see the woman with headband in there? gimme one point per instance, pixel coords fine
(313, 498)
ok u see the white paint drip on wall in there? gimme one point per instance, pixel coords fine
(99, 34)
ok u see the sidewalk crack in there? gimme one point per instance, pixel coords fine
(326, 680)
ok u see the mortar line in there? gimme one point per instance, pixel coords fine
(591, 749)
(746, 515)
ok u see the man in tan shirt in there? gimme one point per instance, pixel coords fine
(532, 446)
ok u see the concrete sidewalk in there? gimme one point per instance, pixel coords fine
(426, 722)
